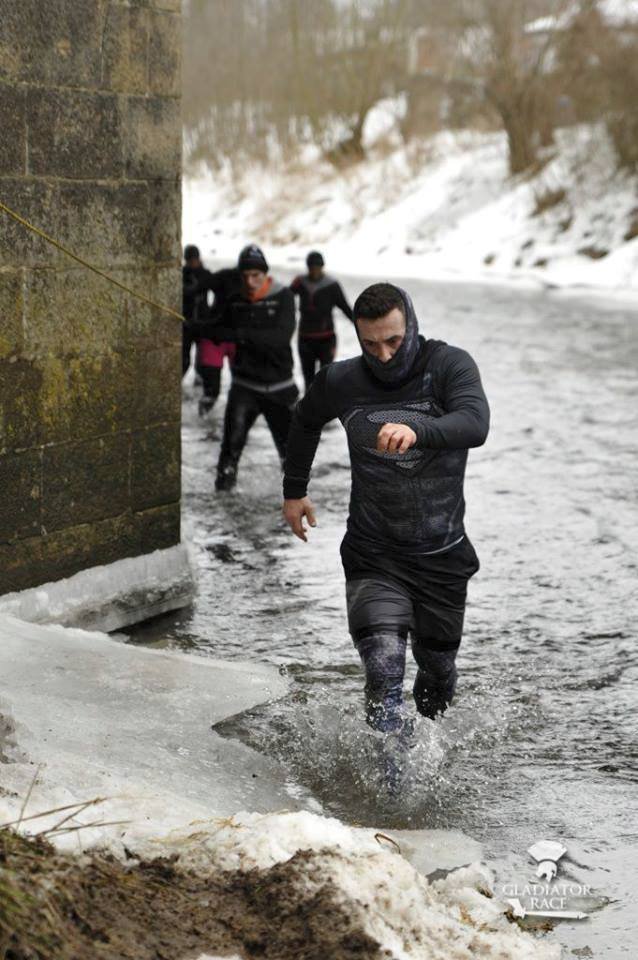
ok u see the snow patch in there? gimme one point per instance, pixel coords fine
(391, 900)
(250, 840)
(444, 208)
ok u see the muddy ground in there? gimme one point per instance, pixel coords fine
(57, 907)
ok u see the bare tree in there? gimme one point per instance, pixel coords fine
(264, 75)
(511, 61)
(366, 62)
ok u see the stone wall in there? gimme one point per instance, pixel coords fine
(90, 150)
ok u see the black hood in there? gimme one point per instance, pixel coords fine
(397, 370)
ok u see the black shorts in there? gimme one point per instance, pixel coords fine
(421, 595)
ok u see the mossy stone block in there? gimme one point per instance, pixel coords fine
(107, 223)
(20, 405)
(165, 53)
(11, 308)
(125, 49)
(85, 481)
(71, 313)
(152, 138)
(87, 396)
(13, 139)
(56, 42)
(20, 483)
(36, 201)
(155, 467)
(73, 134)
(158, 527)
(158, 386)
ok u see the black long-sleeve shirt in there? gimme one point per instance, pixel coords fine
(317, 299)
(411, 502)
(195, 286)
(262, 330)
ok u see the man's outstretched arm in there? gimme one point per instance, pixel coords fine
(309, 417)
(341, 302)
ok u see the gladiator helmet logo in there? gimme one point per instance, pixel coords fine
(547, 853)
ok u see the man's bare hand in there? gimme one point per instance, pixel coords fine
(395, 438)
(294, 511)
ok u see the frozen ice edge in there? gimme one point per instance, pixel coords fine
(99, 718)
(111, 596)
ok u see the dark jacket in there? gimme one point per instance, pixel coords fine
(317, 299)
(262, 330)
(402, 503)
(196, 284)
(194, 294)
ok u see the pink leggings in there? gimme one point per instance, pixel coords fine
(211, 354)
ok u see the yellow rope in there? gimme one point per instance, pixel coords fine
(89, 266)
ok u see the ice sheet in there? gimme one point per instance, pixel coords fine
(107, 719)
(102, 718)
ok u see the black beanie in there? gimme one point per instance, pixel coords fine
(314, 259)
(252, 258)
(191, 251)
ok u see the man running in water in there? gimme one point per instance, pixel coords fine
(259, 316)
(411, 408)
(318, 295)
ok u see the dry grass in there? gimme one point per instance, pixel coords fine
(58, 907)
(547, 199)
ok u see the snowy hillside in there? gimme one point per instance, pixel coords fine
(441, 208)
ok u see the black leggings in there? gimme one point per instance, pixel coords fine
(211, 380)
(211, 376)
(427, 604)
(313, 352)
(188, 339)
(242, 409)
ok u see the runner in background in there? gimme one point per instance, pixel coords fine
(259, 317)
(194, 303)
(197, 283)
(318, 295)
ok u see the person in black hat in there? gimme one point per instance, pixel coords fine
(259, 317)
(193, 300)
(411, 408)
(318, 295)
(197, 282)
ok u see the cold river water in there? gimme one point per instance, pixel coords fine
(542, 740)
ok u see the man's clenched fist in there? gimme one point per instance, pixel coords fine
(395, 438)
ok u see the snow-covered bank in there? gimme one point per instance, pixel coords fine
(97, 718)
(439, 209)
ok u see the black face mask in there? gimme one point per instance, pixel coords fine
(397, 369)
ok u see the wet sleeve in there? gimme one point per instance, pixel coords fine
(466, 420)
(310, 416)
(341, 302)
